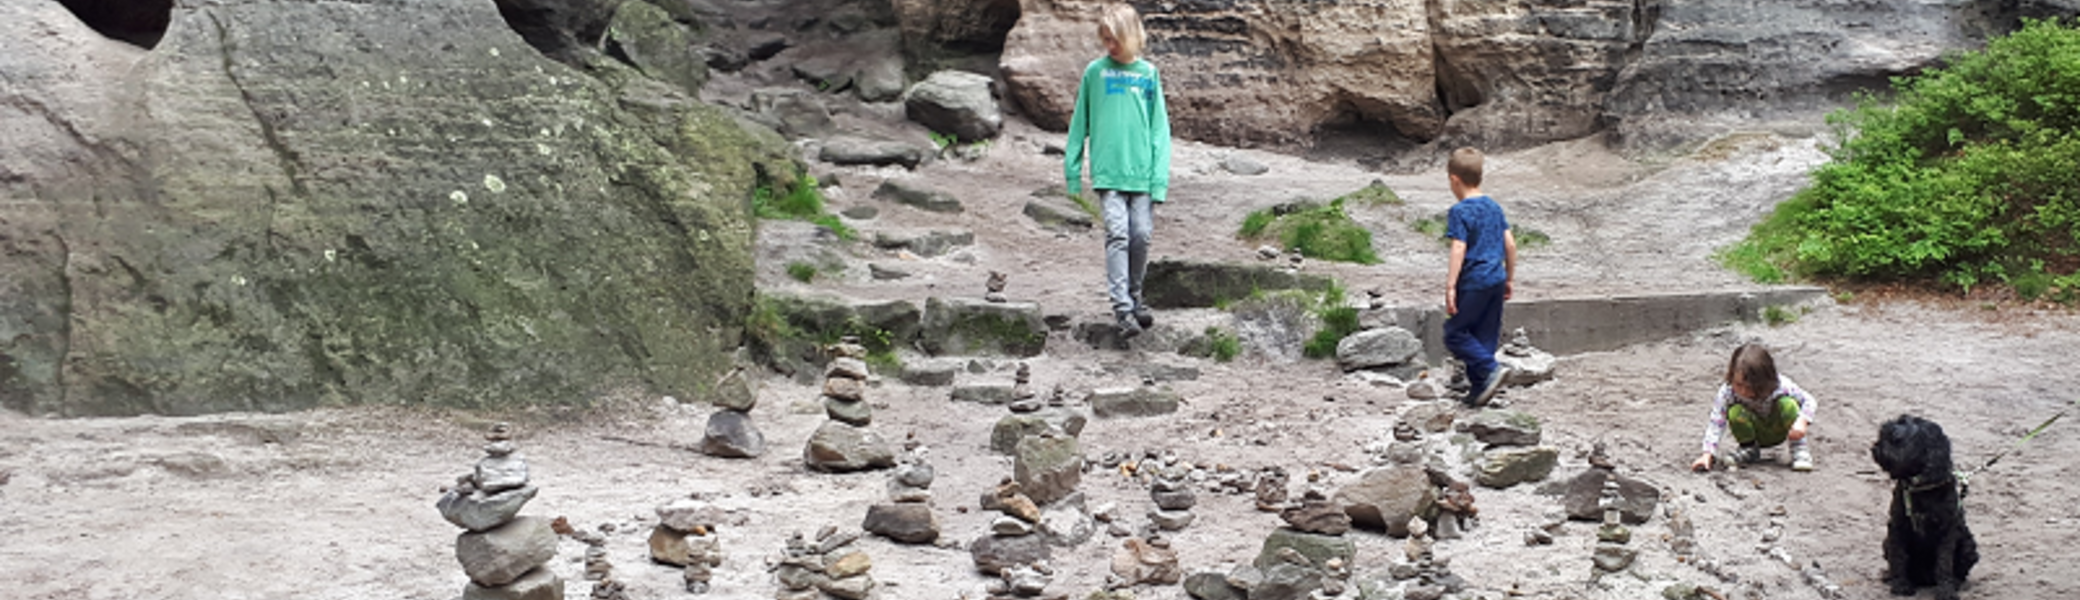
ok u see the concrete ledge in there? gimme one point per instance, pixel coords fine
(1576, 325)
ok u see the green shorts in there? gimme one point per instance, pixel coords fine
(1752, 429)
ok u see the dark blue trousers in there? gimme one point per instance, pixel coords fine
(1475, 333)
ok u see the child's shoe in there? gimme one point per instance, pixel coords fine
(1493, 385)
(1747, 455)
(1128, 326)
(1143, 317)
(1801, 458)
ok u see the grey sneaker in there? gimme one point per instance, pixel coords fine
(1494, 384)
(1143, 317)
(1128, 326)
(1801, 458)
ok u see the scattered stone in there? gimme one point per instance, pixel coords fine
(1528, 365)
(1636, 499)
(1537, 537)
(501, 555)
(1425, 388)
(1271, 489)
(983, 393)
(839, 448)
(928, 244)
(865, 212)
(1317, 548)
(1005, 436)
(846, 367)
(881, 273)
(1287, 581)
(538, 584)
(1243, 165)
(1142, 562)
(478, 511)
(730, 434)
(1316, 514)
(845, 388)
(1212, 585)
(1431, 417)
(956, 103)
(929, 373)
(1057, 211)
(847, 150)
(1384, 498)
(1047, 467)
(1010, 526)
(1381, 347)
(687, 515)
(1507, 467)
(1143, 401)
(992, 554)
(909, 523)
(850, 588)
(1502, 428)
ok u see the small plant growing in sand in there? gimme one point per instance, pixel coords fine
(803, 201)
(1225, 344)
(1316, 232)
(801, 271)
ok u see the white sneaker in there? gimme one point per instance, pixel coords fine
(1494, 385)
(1801, 458)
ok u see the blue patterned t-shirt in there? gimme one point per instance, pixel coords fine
(1478, 221)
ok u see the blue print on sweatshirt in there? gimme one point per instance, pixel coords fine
(1126, 82)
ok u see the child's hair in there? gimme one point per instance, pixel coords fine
(1755, 369)
(1466, 165)
(1124, 24)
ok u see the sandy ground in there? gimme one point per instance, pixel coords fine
(338, 503)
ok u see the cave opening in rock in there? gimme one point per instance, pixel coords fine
(560, 30)
(137, 22)
(1352, 135)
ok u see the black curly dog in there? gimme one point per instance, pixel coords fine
(1926, 543)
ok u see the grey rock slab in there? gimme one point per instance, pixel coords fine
(1058, 213)
(1382, 347)
(885, 273)
(800, 114)
(538, 584)
(1510, 466)
(929, 373)
(847, 367)
(1531, 367)
(1212, 585)
(1287, 581)
(1009, 430)
(501, 473)
(848, 412)
(970, 326)
(1431, 417)
(848, 150)
(1243, 165)
(839, 448)
(860, 212)
(1066, 524)
(1502, 427)
(1171, 520)
(911, 194)
(1318, 548)
(1180, 499)
(1141, 401)
(501, 555)
(731, 434)
(1184, 284)
(686, 514)
(983, 393)
(908, 523)
(856, 587)
(1385, 498)
(660, 47)
(478, 511)
(881, 79)
(955, 103)
(929, 244)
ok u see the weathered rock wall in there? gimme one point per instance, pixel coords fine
(1498, 73)
(286, 204)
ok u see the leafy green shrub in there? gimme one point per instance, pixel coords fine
(1322, 233)
(1339, 320)
(1374, 195)
(801, 271)
(1226, 345)
(1971, 173)
(1776, 316)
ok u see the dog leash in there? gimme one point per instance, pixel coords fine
(1964, 478)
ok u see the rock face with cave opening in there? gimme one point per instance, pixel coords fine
(1505, 74)
(288, 204)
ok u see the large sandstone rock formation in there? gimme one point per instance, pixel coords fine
(283, 204)
(1500, 74)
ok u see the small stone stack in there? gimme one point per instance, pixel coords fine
(1012, 538)
(844, 444)
(806, 571)
(503, 554)
(1144, 562)
(1271, 489)
(1174, 499)
(1427, 577)
(995, 285)
(1024, 581)
(1032, 416)
(730, 433)
(1455, 510)
(685, 536)
(1611, 554)
(908, 518)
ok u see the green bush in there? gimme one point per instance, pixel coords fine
(1338, 321)
(1226, 345)
(1322, 233)
(1971, 173)
(803, 201)
(801, 271)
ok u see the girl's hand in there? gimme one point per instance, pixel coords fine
(1798, 430)
(1704, 463)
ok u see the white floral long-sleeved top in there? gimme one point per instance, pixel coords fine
(1785, 386)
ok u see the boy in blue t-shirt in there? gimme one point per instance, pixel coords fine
(1484, 263)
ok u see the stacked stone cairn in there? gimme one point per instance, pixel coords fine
(808, 571)
(1032, 416)
(1013, 538)
(730, 433)
(995, 287)
(1271, 489)
(844, 443)
(907, 518)
(503, 554)
(1612, 554)
(1424, 576)
(685, 536)
(1173, 496)
(1309, 557)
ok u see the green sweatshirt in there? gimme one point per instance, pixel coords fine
(1119, 108)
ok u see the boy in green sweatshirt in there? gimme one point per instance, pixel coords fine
(1119, 110)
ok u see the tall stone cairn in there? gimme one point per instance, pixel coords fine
(730, 433)
(503, 554)
(844, 443)
(685, 536)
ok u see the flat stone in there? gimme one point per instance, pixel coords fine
(1058, 212)
(1531, 367)
(847, 150)
(1385, 498)
(1382, 347)
(1287, 581)
(1316, 547)
(969, 326)
(1171, 520)
(1431, 417)
(501, 555)
(907, 523)
(1047, 467)
(500, 473)
(929, 244)
(687, 514)
(838, 448)
(845, 388)
(1502, 428)
(858, 587)
(1066, 524)
(1612, 558)
(983, 393)
(1143, 401)
(1243, 165)
(1212, 585)
(797, 577)
(956, 103)
(477, 511)
(730, 434)
(991, 553)
(1139, 562)
(848, 565)
(1182, 499)
(1004, 437)
(1181, 284)
(538, 584)
(910, 194)
(1326, 518)
(929, 373)
(674, 547)
(1511, 466)
(847, 367)
(868, 213)
(848, 412)
(1010, 526)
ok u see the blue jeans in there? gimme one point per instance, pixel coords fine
(1129, 220)
(1475, 333)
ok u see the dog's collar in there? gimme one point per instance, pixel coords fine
(1917, 484)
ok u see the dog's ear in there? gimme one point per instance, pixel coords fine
(1935, 448)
